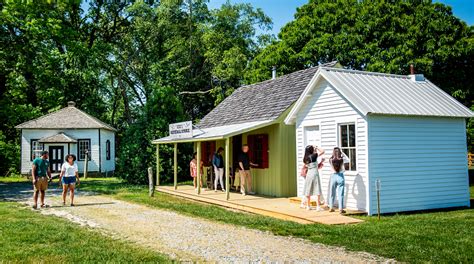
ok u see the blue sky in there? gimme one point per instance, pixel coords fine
(282, 11)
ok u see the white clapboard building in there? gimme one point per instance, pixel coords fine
(68, 131)
(401, 130)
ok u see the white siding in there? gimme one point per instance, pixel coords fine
(107, 165)
(421, 162)
(92, 134)
(327, 108)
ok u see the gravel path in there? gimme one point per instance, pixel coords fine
(192, 239)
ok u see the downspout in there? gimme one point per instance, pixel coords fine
(100, 153)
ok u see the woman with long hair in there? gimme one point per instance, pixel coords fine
(337, 161)
(218, 164)
(312, 183)
(68, 177)
(193, 170)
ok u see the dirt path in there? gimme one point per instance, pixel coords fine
(193, 239)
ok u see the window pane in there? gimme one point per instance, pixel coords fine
(352, 140)
(344, 142)
(352, 157)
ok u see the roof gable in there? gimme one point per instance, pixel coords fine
(68, 117)
(264, 101)
(386, 94)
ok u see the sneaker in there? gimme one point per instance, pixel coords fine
(252, 193)
(223, 190)
(35, 206)
(215, 190)
(308, 207)
(72, 204)
(244, 194)
(319, 209)
(331, 210)
(302, 205)
(342, 211)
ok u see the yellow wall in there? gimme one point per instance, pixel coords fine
(279, 179)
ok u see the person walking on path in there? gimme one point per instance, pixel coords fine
(69, 175)
(244, 171)
(337, 162)
(41, 176)
(218, 164)
(193, 170)
(312, 184)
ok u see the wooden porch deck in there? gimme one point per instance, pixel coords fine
(281, 208)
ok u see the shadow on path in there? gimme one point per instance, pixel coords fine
(21, 191)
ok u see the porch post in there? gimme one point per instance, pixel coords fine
(157, 164)
(198, 163)
(175, 166)
(227, 172)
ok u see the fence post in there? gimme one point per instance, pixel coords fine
(151, 187)
(86, 164)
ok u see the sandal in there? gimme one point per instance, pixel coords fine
(72, 204)
(35, 206)
(44, 206)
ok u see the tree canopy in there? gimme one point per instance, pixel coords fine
(140, 65)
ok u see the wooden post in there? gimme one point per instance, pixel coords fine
(227, 169)
(151, 187)
(175, 166)
(157, 165)
(86, 164)
(198, 162)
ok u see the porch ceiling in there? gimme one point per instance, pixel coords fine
(216, 133)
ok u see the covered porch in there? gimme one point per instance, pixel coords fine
(221, 133)
(283, 206)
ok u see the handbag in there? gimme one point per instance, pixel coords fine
(304, 171)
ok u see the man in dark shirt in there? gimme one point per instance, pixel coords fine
(41, 176)
(244, 171)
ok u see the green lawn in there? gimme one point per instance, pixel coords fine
(424, 237)
(28, 236)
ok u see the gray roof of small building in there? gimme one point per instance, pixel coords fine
(263, 101)
(66, 118)
(390, 94)
(58, 138)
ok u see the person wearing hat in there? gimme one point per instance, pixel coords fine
(69, 175)
(41, 176)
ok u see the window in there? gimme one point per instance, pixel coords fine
(107, 149)
(348, 144)
(208, 149)
(258, 150)
(83, 145)
(36, 149)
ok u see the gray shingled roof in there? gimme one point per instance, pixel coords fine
(58, 138)
(266, 100)
(68, 117)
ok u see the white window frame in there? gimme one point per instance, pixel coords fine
(79, 149)
(38, 147)
(339, 139)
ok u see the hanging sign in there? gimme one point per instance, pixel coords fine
(181, 130)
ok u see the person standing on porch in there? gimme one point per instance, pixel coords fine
(312, 183)
(218, 164)
(244, 171)
(41, 176)
(193, 170)
(68, 177)
(337, 162)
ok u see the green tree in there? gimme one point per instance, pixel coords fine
(382, 36)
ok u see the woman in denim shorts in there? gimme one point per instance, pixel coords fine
(69, 175)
